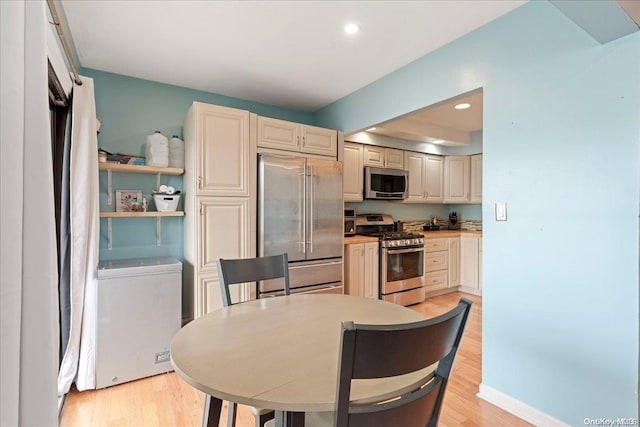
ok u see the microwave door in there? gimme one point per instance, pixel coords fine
(281, 206)
(325, 223)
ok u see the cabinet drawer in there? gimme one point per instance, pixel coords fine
(436, 281)
(436, 261)
(435, 245)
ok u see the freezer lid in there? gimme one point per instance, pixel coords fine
(138, 266)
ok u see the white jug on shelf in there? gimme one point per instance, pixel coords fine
(176, 152)
(157, 150)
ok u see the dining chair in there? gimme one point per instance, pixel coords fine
(237, 271)
(378, 351)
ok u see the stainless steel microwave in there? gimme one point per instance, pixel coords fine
(385, 184)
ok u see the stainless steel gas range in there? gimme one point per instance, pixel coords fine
(401, 259)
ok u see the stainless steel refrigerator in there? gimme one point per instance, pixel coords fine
(300, 212)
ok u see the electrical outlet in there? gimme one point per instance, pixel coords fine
(501, 211)
(163, 356)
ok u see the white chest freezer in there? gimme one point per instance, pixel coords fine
(138, 314)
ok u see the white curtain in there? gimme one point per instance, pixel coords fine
(79, 358)
(28, 265)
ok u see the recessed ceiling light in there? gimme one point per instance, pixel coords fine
(371, 129)
(462, 106)
(437, 141)
(351, 28)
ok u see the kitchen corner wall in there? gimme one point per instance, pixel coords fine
(130, 109)
(560, 279)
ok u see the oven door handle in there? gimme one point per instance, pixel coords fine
(404, 251)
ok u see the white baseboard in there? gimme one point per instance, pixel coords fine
(470, 290)
(518, 408)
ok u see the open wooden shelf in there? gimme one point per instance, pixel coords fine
(119, 167)
(139, 214)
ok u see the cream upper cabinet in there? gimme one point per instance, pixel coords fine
(361, 269)
(414, 164)
(476, 179)
(352, 172)
(470, 264)
(289, 136)
(456, 179)
(434, 182)
(221, 150)
(425, 177)
(383, 157)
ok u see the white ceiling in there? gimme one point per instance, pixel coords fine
(438, 122)
(292, 54)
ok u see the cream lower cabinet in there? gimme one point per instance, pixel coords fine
(361, 270)
(290, 136)
(470, 268)
(480, 263)
(436, 264)
(352, 174)
(219, 196)
(454, 261)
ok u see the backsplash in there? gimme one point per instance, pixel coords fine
(415, 225)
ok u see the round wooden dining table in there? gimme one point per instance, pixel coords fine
(282, 353)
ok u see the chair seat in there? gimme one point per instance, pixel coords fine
(399, 386)
(259, 411)
(312, 419)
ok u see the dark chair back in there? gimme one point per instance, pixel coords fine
(234, 271)
(378, 351)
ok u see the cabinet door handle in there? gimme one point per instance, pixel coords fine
(298, 141)
(303, 141)
(199, 182)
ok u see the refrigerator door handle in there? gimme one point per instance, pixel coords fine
(303, 203)
(310, 178)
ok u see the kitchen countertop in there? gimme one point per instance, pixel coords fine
(427, 234)
(451, 233)
(359, 239)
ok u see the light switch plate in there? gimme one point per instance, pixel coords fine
(501, 211)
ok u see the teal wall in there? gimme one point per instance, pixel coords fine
(560, 144)
(130, 109)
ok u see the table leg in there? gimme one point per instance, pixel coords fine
(289, 419)
(211, 415)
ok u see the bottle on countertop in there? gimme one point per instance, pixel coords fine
(157, 150)
(176, 152)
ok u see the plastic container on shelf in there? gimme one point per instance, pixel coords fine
(166, 202)
(176, 152)
(157, 150)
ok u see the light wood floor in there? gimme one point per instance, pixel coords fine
(166, 400)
